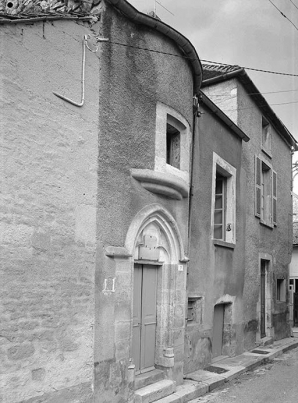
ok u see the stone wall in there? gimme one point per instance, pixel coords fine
(48, 213)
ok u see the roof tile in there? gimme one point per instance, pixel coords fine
(216, 70)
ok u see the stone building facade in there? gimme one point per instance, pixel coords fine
(216, 270)
(117, 271)
(95, 177)
(266, 160)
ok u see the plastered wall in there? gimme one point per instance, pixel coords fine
(133, 82)
(277, 242)
(216, 273)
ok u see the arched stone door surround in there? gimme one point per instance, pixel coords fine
(155, 221)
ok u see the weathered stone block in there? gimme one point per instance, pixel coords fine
(20, 352)
(38, 374)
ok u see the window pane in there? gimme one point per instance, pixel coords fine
(219, 186)
(218, 217)
(173, 146)
(218, 202)
(218, 232)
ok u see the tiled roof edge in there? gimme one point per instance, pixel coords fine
(259, 100)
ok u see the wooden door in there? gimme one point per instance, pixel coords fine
(218, 322)
(144, 317)
(263, 299)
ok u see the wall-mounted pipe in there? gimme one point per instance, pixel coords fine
(82, 80)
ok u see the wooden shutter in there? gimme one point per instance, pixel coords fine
(274, 198)
(258, 186)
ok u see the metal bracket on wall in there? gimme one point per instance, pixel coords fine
(85, 44)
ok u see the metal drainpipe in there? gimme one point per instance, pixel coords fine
(195, 119)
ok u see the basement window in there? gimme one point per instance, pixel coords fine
(194, 310)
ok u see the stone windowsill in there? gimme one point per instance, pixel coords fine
(161, 183)
(265, 224)
(224, 244)
(267, 152)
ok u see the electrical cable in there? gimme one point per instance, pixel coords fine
(294, 4)
(257, 93)
(164, 8)
(253, 107)
(251, 68)
(284, 15)
(202, 60)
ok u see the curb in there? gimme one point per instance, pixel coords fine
(204, 382)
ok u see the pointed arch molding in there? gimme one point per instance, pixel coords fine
(157, 214)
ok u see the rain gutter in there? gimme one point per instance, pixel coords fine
(183, 43)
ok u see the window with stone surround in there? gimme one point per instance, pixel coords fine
(266, 136)
(265, 192)
(172, 142)
(170, 175)
(223, 214)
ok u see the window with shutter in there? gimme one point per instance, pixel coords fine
(223, 215)
(266, 136)
(265, 192)
(258, 190)
(274, 198)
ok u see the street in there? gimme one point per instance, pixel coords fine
(270, 383)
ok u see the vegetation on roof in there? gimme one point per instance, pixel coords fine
(34, 8)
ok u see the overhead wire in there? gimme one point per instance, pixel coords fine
(202, 60)
(284, 15)
(251, 68)
(294, 4)
(256, 93)
(164, 8)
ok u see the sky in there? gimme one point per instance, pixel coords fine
(249, 33)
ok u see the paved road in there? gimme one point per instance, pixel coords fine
(276, 382)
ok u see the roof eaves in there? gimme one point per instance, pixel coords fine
(218, 112)
(268, 111)
(222, 77)
(259, 100)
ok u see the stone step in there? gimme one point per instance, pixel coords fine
(155, 391)
(187, 391)
(148, 378)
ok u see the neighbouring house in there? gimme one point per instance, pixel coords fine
(96, 128)
(216, 270)
(266, 162)
(293, 280)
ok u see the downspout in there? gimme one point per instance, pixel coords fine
(196, 115)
